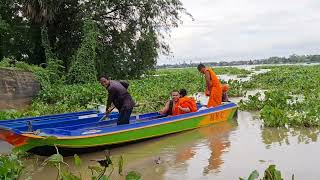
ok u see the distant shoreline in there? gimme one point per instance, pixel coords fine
(293, 59)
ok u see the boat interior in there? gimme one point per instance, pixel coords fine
(84, 123)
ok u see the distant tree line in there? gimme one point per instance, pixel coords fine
(293, 59)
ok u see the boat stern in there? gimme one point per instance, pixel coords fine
(12, 137)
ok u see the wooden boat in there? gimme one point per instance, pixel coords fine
(84, 130)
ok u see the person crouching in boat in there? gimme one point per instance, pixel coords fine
(169, 106)
(120, 97)
(179, 104)
(213, 86)
(225, 89)
(186, 104)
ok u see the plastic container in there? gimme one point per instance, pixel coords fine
(102, 108)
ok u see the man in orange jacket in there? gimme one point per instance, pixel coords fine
(213, 86)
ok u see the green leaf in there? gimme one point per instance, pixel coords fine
(77, 161)
(104, 177)
(254, 175)
(132, 175)
(69, 176)
(96, 169)
(54, 159)
(272, 173)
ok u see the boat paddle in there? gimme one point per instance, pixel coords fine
(104, 117)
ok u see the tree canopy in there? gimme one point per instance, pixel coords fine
(131, 33)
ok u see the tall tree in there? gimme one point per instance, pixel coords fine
(15, 40)
(82, 69)
(133, 33)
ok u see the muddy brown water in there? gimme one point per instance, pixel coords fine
(222, 151)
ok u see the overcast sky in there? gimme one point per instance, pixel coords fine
(226, 30)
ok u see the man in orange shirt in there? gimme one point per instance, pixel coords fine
(213, 86)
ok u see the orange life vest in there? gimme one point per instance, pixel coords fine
(185, 102)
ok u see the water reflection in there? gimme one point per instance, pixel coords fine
(275, 135)
(218, 143)
(205, 156)
(306, 135)
(286, 136)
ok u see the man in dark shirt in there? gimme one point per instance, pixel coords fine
(120, 97)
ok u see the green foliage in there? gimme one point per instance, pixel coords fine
(132, 175)
(120, 166)
(11, 167)
(252, 104)
(295, 79)
(55, 68)
(97, 172)
(77, 161)
(83, 69)
(273, 116)
(292, 99)
(254, 175)
(4, 26)
(39, 108)
(271, 173)
(54, 160)
(132, 33)
(236, 88)
(41, 74)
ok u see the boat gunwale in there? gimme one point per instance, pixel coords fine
(50, 117)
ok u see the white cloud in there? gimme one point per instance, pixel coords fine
(246, 29)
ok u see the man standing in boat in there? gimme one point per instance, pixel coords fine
(213, 86)
(119, 96)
